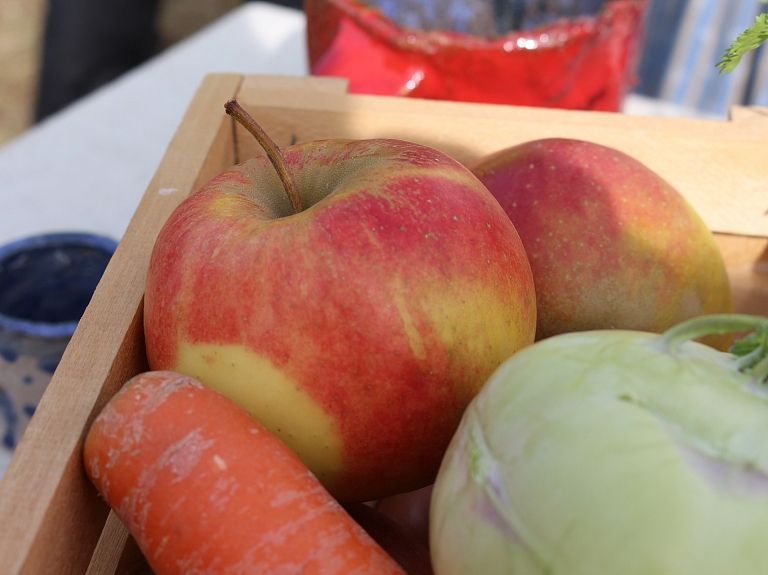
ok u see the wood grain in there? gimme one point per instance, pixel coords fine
(110, 548)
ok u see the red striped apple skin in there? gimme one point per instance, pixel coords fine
(612, 245)
(357, 330)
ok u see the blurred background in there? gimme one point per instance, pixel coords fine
(684, 41)
(23, 27)
(20, 34)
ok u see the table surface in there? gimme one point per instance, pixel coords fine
(86, 168)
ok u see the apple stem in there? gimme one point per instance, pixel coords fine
(751, 352)
(234, 109)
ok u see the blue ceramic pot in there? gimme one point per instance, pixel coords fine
(46, 282)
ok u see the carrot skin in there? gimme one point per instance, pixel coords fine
(204, 488)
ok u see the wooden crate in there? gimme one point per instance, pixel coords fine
(51, 519)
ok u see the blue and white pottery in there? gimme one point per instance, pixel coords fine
(46, 282)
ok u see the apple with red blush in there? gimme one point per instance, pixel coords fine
(610, 242)
(353, 296)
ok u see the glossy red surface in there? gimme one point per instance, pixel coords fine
(585, 63)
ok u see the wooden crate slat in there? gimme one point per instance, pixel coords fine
(720, 167)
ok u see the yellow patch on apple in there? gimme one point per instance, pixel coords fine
(271, 397)
(477, 328)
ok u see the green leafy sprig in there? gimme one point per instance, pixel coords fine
(749, 39)
(752, 353)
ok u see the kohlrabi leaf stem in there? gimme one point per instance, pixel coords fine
(273, 151)
(749, 358)
(751, 352)
(759, 370)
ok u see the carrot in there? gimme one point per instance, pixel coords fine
(204, 488)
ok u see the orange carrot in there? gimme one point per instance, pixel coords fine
(204, 488)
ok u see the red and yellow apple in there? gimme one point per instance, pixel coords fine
(356, 330)
(611, 244)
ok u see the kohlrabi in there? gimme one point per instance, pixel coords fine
(612, 453)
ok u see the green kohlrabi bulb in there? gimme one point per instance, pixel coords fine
(612, 453)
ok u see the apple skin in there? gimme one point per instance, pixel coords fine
(611, 244)
(357, 330)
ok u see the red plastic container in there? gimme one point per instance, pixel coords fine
(585, 63)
